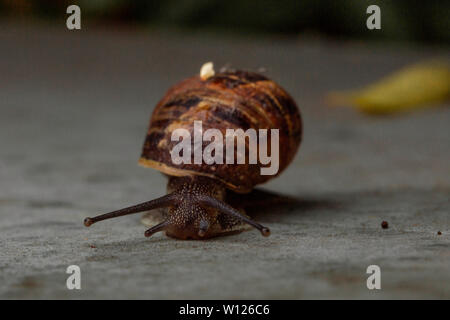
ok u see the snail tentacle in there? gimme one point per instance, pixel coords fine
(164, 201)
(225, 208)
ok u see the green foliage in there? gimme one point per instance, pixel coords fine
(413, 20)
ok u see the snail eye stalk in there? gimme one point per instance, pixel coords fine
(164, 201)
(225, 208)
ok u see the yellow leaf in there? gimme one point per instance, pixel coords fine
(414, 87)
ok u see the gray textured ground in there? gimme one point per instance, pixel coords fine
(74, 108)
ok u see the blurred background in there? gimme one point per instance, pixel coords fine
(402, 20)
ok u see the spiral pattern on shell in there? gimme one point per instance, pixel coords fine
(227, 100)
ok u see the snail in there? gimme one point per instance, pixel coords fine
(196, 204)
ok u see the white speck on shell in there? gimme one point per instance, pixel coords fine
(207, 70)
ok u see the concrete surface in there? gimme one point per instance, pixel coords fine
(74, 108)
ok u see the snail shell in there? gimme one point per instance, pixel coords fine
(226, 100)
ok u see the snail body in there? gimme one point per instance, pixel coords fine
(196, 200)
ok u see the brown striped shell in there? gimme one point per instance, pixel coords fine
(227, 100)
